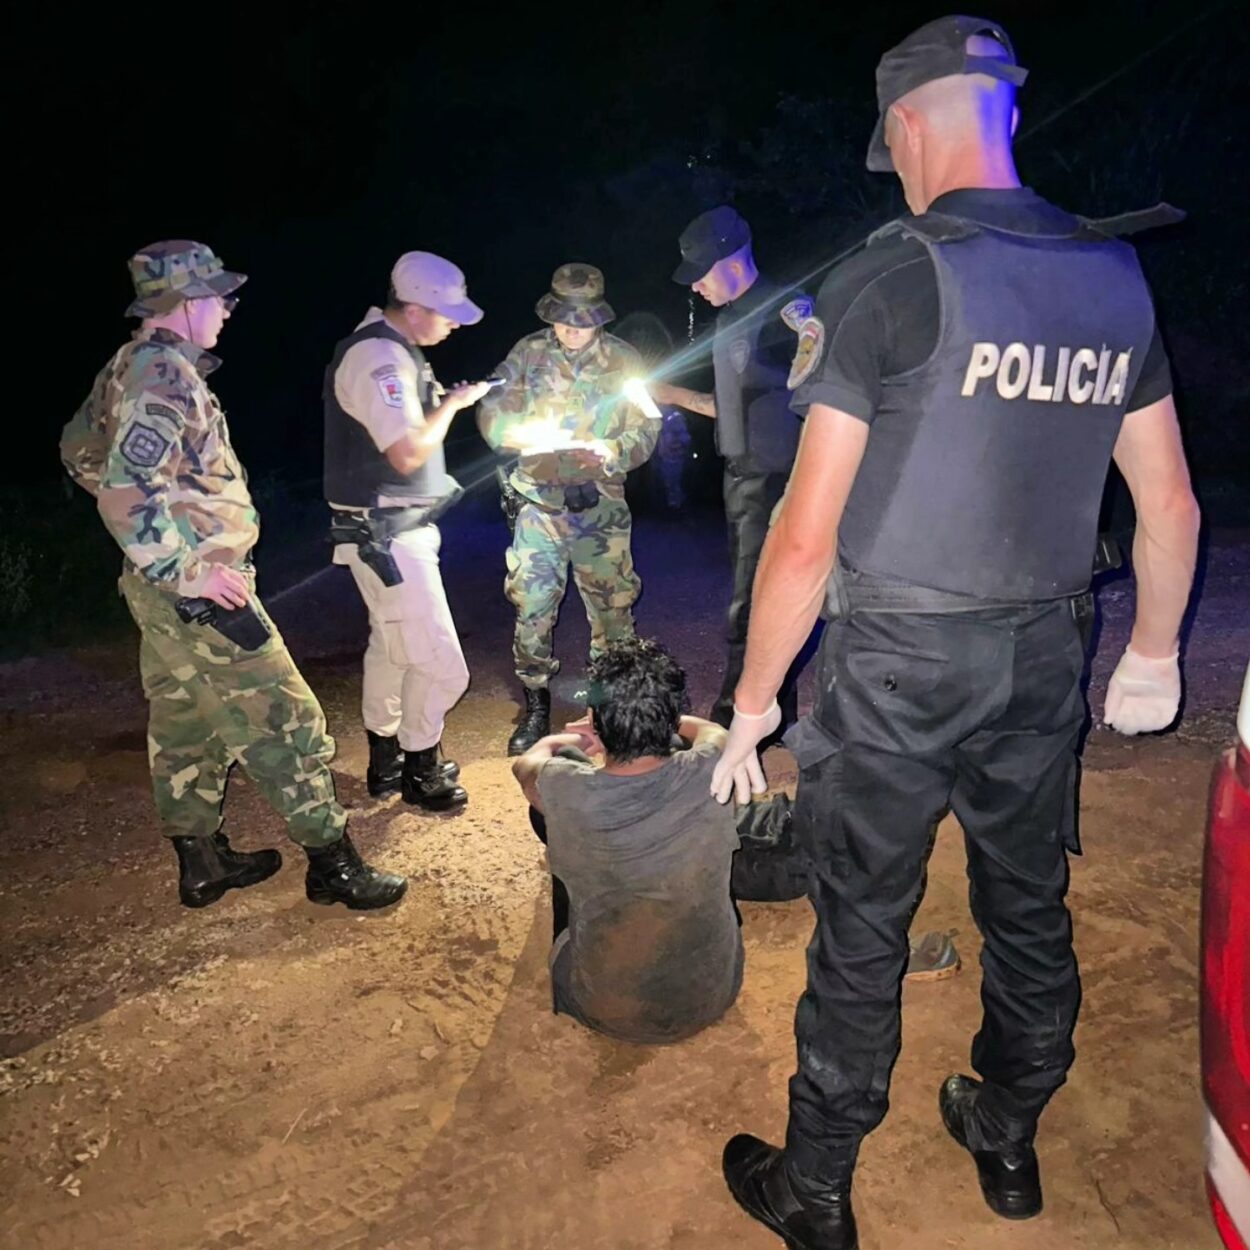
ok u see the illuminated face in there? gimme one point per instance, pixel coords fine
(205, 317)
(721, 283)
(574, 338)
(427, 327)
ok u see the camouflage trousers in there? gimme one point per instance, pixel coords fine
(544, 545)
(212, 705)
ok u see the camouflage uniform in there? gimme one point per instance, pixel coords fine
(574, 397)
(151, 444)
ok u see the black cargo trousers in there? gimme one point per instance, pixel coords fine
(918, 713)
(750, 497)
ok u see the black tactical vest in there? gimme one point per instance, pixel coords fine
(751, 357)
(356, 472)
(997, 448)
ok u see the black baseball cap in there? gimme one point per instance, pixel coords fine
(710, 237)
(937, 50)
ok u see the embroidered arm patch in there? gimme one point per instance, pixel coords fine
(796, 312)
(390, 385)
(143, 446)
(807, 354)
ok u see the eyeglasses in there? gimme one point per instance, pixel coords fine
(230, 302)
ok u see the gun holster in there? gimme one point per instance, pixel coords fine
(243, 626)
(373, 549)
(1107, 556)
(579, 498)
(511, 501)
(372, 534)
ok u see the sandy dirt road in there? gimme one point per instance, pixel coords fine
(270, 1074)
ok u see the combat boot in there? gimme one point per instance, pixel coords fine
(426, 784)
(337, 874)
(536, 722)
(762, 1186)
(386, 765)
(208, 867)
(1010, 1181)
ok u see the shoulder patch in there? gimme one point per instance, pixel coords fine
(390, 387)
(161, 410)
(384, 371)
(797, 311)
(807, 354)
(144, 447)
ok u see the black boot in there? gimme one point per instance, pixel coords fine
(536, 722)
(208, 867)
(337, 874)
(386, 765)
(756, 1175)
(1009, 1176)
(427, 785)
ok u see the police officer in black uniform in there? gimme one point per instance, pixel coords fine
(966, 378)
(756, 432)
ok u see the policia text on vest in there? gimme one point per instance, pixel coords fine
(1080, 376)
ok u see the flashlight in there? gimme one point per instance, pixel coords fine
(637, 394)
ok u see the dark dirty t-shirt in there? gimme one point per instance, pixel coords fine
(654, 951)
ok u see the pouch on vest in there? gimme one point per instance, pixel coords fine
(579, 498)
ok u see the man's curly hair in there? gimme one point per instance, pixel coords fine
(638, 694)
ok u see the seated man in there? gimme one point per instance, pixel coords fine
(647, 941)
(652, 951)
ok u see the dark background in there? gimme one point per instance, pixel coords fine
(310, 147)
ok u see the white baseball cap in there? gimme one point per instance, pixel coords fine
(434, 283)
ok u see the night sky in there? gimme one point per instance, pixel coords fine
(311, 151)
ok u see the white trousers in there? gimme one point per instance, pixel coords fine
(414, 668)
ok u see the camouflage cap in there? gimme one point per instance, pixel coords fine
(166, 273)
(576, 298)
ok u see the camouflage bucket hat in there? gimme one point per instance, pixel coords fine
(576, 298)
(164, 274)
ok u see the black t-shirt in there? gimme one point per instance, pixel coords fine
(751, 354)
(881, 314)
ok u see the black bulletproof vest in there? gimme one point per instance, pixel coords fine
(356, 472)
(985, 466)
(751, 359)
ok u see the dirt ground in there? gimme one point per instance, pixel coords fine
(270, 1074)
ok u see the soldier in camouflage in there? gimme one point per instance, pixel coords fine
(562, 415)
(151, 444)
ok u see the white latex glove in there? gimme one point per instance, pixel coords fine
(1143, 694)
(738, 770)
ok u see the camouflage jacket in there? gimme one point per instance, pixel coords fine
(150, 443)
(557, 398)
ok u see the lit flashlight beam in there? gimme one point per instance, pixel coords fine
(702, 348)
(638, 395)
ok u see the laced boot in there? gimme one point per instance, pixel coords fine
(536, 722)
(427, 785)
(337, 874)
(209, 866)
